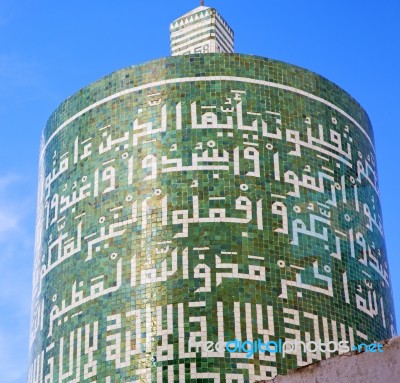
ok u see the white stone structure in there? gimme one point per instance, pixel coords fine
(203, 30)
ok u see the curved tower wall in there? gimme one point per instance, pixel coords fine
(213, 197)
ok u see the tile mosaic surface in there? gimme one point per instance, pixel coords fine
(212, 197)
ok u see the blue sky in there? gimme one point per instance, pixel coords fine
(51, 49)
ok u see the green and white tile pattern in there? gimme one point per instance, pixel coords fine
(213, 197)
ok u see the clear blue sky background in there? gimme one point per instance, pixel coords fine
(50, 49)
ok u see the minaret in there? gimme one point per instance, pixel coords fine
(202, 30)
(199, 201)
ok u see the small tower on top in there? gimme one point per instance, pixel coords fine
(202, 30)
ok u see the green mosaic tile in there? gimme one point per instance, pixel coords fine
(213, 197)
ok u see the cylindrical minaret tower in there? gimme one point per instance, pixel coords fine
(205, 197)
